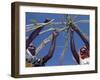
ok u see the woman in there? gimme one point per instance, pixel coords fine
(31, 58)
(30, 48)
(83, 56)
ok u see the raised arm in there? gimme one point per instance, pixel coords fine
(82, 36)
(51, 50)
(34, 34)
(73, 48)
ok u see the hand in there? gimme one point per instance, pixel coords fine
(47, 20)
(71, 29)
(55, 33)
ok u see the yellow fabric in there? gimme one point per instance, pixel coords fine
(28, 64)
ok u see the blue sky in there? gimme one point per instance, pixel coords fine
(54, 61)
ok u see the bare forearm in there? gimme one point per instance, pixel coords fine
(33, 35)
(83, 37)
(51, 51)
(73, 48)
(52, 47)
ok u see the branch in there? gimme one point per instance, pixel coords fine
(38, 25)
(43, 43)
(82, 21)
(48, 39)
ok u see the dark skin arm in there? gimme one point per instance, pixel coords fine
(34, 34)
(73, 48)
(51, 50)
(83, 37)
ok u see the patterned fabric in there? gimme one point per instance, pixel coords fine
(38, 62)
(33, 59)
(84, 61)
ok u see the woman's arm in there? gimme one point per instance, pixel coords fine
(73, 48)
(34, 34)
(82, 36)
(51, 50)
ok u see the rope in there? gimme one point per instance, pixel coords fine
(48, 39)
